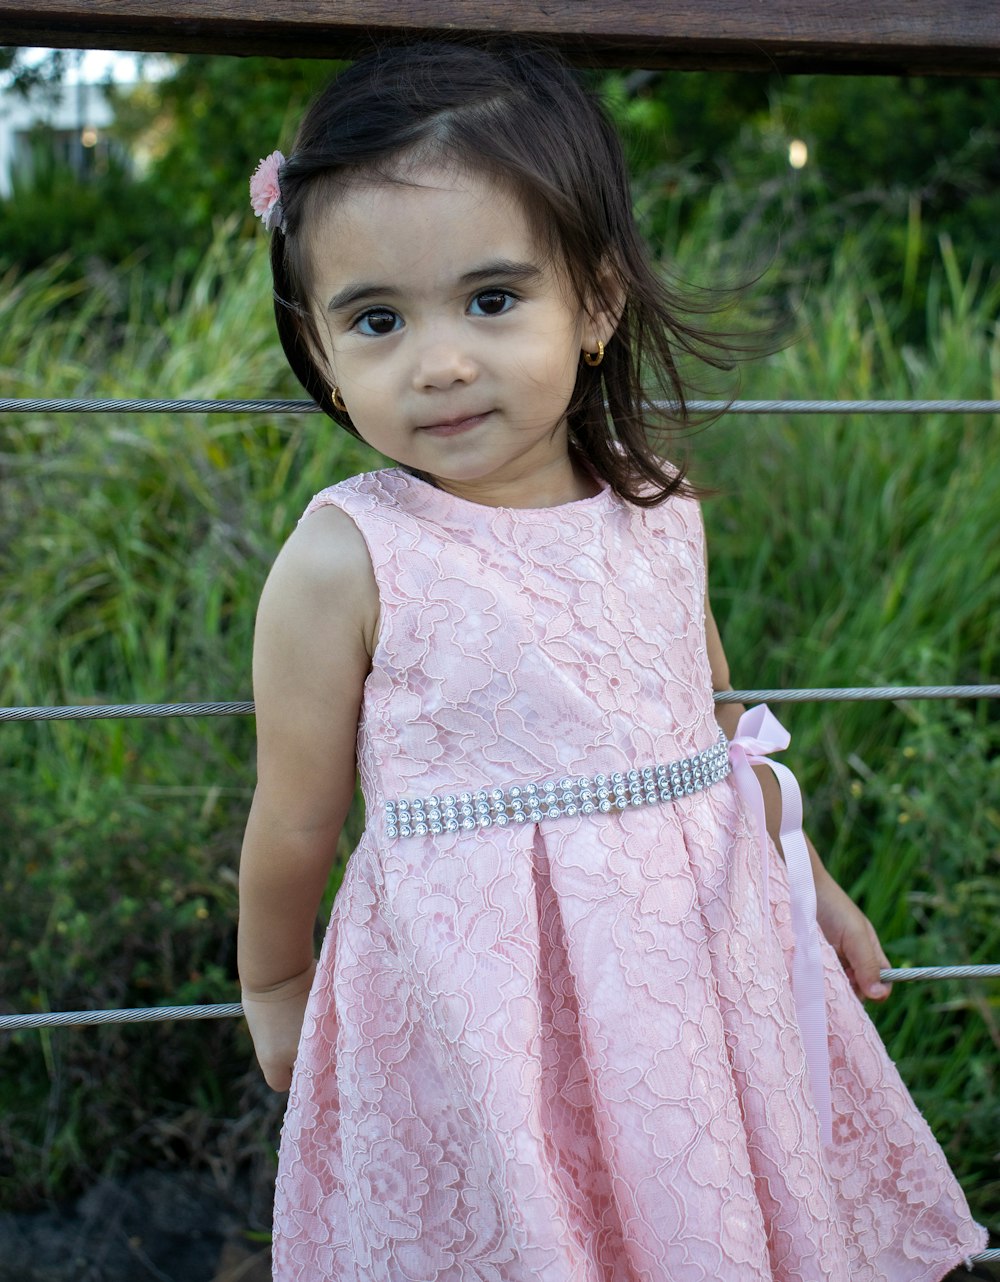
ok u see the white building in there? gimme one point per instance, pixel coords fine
(70, 121)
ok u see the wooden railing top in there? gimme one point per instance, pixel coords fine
(937, 37)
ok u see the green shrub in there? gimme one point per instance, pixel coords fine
(132, 551)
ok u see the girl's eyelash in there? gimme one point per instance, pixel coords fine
(496, 292)
(374, 311)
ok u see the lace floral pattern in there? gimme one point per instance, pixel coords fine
(567, 1051)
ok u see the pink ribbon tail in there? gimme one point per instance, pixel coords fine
(758, 734)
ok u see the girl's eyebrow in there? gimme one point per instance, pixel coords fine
(503, 268)
(499, 268)
(355, 293)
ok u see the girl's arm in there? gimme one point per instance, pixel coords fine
(844, 924)
(315, 631)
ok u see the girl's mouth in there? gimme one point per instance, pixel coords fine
(455, 426)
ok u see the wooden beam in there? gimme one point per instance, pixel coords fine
(926, 37)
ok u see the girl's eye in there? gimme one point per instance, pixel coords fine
(378, 321)
(492, 302)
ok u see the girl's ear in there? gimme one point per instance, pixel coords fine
(603, 307)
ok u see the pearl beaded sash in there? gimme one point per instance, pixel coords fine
(532, 802)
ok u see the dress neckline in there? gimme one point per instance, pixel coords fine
(428, 492)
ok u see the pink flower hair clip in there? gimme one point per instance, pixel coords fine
(265, 192)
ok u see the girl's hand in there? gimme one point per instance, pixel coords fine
(852, 936)
(274, 1018)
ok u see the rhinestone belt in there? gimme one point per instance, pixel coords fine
(532, 802)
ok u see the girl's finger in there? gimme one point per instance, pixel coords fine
(878, 990)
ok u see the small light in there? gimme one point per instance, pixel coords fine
(798, 153)
(89, 137)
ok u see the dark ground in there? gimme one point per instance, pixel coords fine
(153, 1226)
(163, 1226)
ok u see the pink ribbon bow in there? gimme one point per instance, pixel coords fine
(758, 734)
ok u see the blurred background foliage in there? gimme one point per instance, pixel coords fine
(899, 161)
(132, 549)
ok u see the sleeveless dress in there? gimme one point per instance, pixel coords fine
(567, 1050)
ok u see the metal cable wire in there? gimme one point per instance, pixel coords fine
(142, 1015)
(856, 694)
(831, 694)
(133, 405)
(95, 712)
(231, 1010)
(104, 405)
(840, 407)
(939, 972)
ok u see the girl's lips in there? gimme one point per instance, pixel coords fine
(454, 428)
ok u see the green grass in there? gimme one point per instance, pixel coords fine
(132, 549)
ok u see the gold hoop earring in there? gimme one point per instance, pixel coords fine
(338, 400)
(594, 358)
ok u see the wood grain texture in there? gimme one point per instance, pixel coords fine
(868, 36)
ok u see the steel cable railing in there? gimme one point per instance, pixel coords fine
(827, 694)
(165, 405)
(230, 1010)
(246, 708)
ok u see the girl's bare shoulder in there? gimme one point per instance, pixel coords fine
(311, 657)
(323, 577)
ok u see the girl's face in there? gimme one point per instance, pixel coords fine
(454, 340)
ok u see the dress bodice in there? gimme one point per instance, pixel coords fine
(520, 643)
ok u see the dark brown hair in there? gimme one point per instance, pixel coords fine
(521, 117)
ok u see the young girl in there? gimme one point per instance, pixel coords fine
(569, 1022)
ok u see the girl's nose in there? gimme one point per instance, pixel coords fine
(443, 362)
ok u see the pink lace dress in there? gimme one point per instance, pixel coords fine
(565, 1049)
